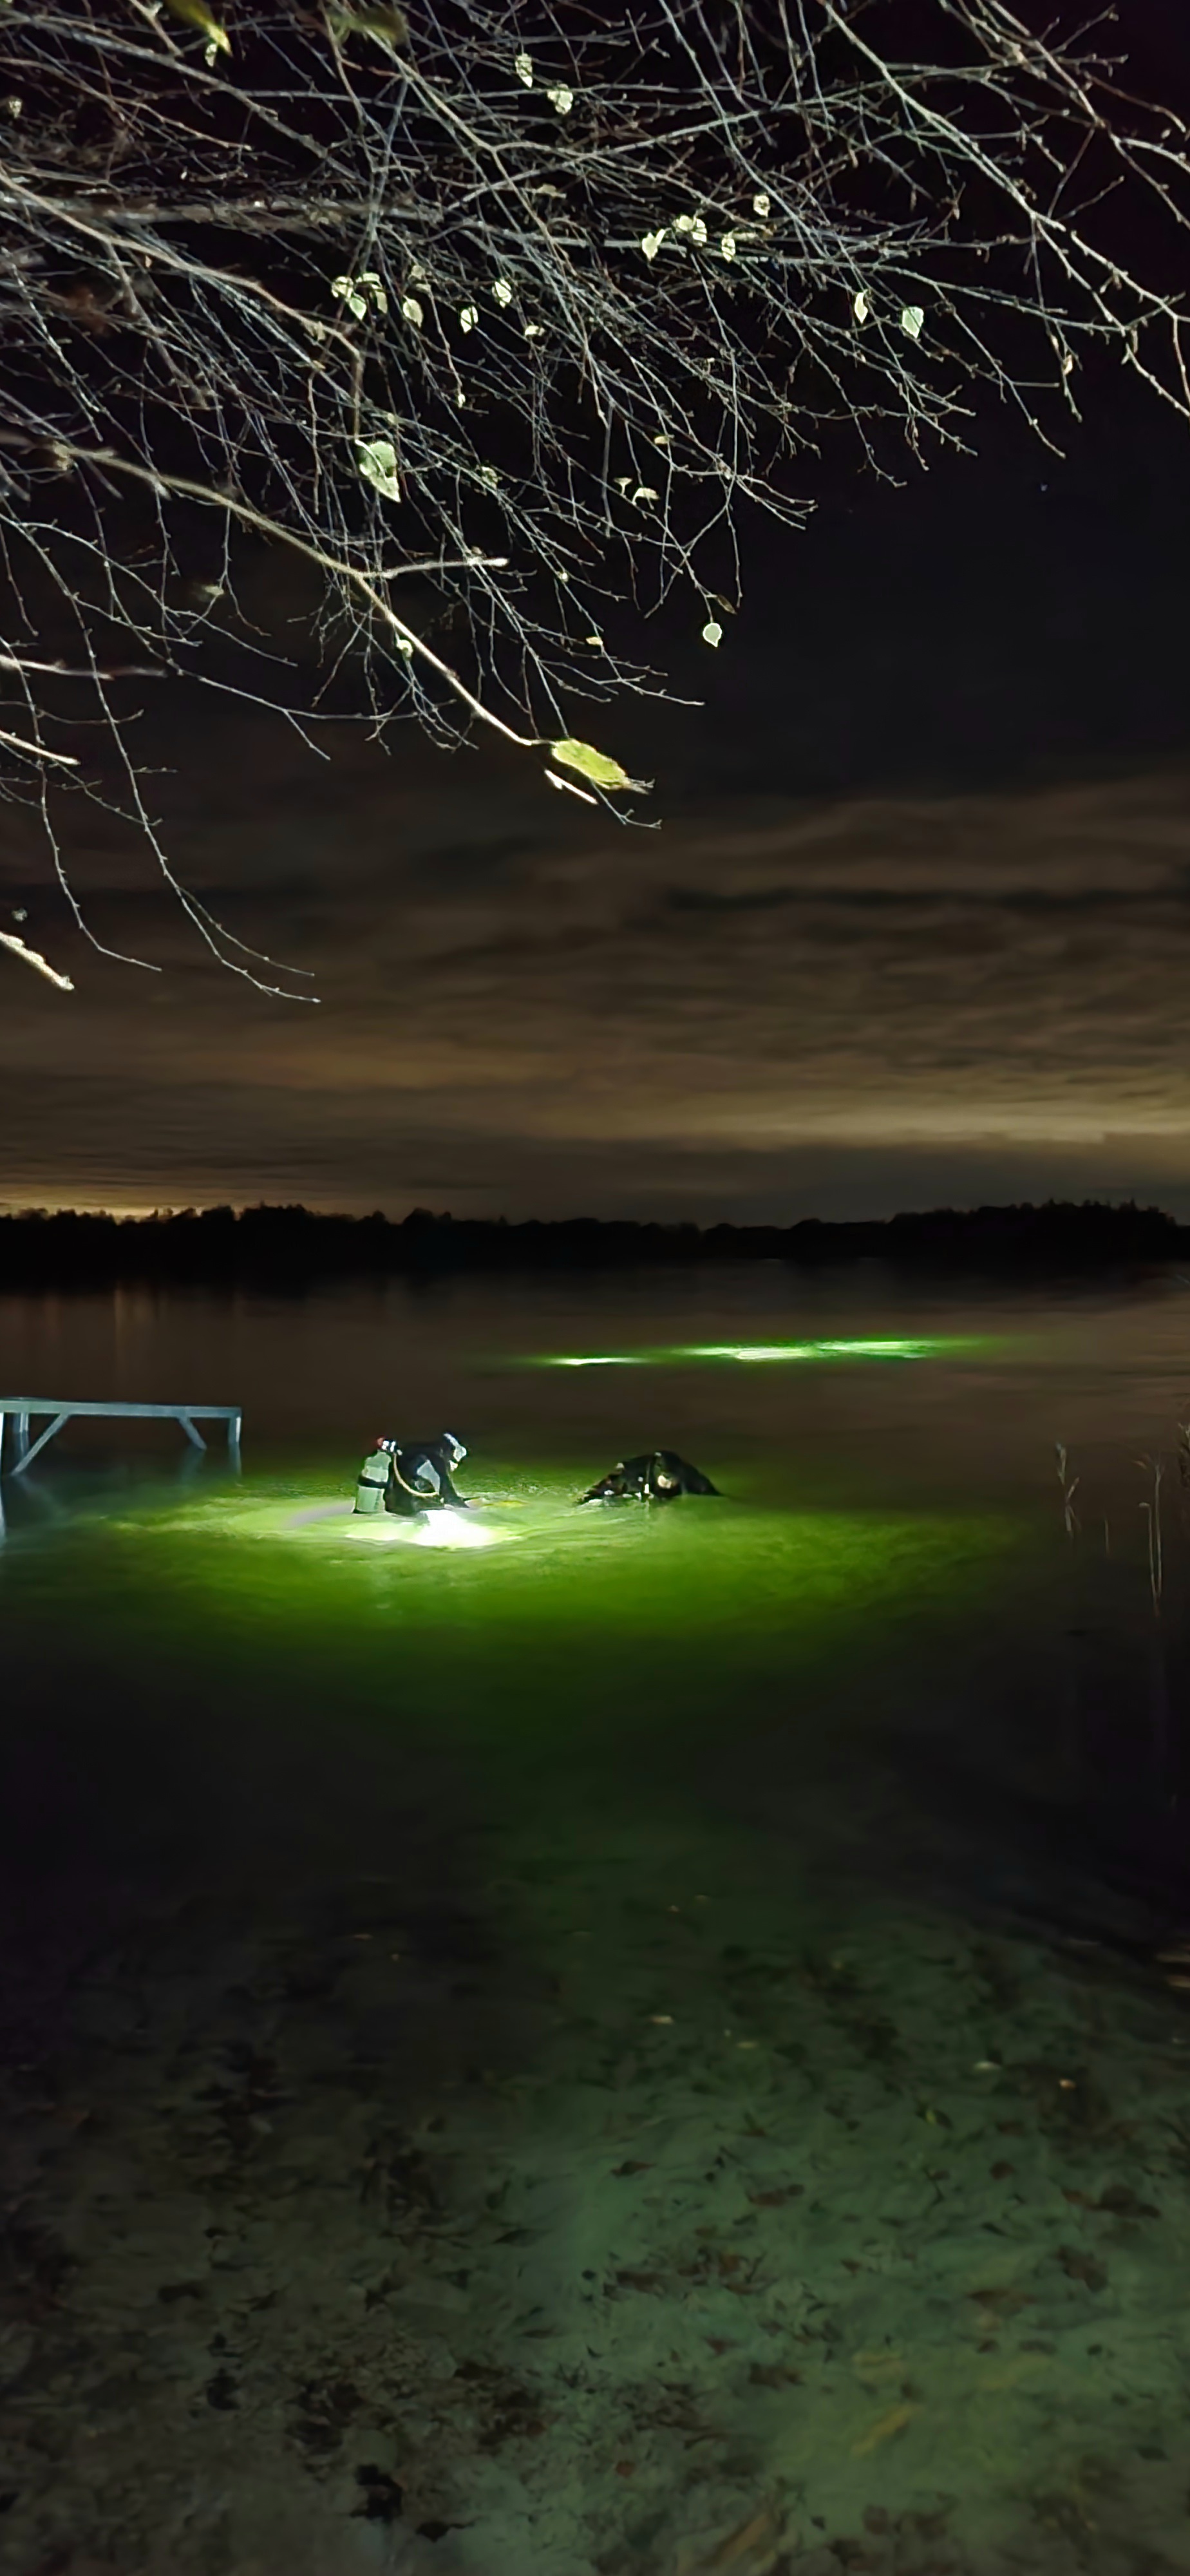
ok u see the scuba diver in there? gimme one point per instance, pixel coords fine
(658, 1476)
(411, 1478)
(422, 1473)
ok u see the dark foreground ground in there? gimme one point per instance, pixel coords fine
(592, 2197)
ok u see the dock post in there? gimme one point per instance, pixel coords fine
(21, 1434)
(234, 1426)
(191, 1433)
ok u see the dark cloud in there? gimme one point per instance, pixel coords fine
(860, 966)
(775, 1007)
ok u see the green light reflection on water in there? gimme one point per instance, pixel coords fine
(547, 1625)
(920, 1347)
(602, 1359)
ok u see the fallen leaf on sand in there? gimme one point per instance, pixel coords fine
(1009, 2374)
(754, 2539)
(892, 2423)
(1119, 2202)
(1082, 2267)
(1006, 2299)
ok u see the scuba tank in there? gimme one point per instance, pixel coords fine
(372, 1481)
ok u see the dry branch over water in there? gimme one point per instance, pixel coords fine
(497, 320)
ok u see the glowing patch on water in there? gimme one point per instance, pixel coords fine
(514, 1628)
(331, 1527)
(890, 1350)
(747, 1351)
(446, 1529)
(601, 1359)
(887, 1348)
(438, 1529)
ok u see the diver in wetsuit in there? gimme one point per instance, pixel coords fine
(422, 1473)
(410, 1479)
(657, 1476)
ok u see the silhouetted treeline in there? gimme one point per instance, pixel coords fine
(296, 1247)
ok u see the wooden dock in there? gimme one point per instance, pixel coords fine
(23, 1409)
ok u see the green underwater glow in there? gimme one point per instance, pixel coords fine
(601, 1359)
(920, 1347)
(523, 1623)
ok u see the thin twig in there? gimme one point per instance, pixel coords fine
(530, 309)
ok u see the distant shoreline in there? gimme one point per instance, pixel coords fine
(298, 1246)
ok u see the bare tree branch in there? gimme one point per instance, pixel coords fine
(524, 306)
(37, 750)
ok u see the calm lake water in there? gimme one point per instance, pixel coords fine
(879, 1674)
(891, 1539)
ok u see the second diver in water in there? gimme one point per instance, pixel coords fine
(411, 1477)
(657, 1476)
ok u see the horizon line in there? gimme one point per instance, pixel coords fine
(27, 1213)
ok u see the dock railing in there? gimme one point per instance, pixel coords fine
(22, 1410)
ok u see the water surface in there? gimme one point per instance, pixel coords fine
(585, 1867)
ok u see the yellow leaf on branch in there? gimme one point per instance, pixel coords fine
(387, 27)
(378, 465)
(195, 13)
(595, 765)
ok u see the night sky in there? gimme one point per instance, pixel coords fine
(915, 926)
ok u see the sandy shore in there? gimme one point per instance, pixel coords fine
(653, 2211)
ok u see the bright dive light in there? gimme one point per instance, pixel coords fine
(450, 1529)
